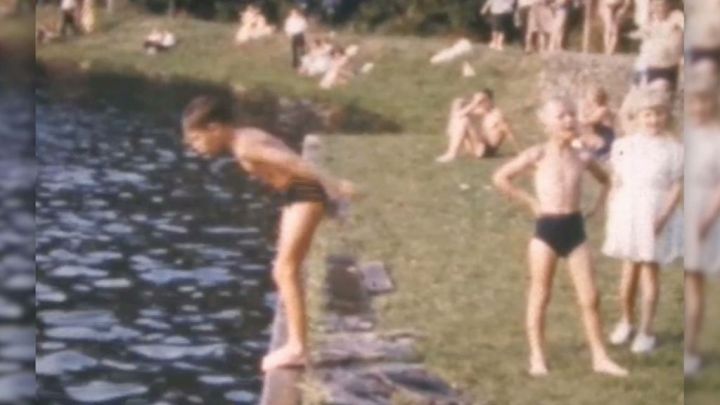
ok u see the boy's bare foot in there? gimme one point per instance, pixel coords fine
(538, 368)
(284, 357)
(609, 367)
(445, 158)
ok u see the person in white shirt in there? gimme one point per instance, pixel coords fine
(295, 26)
(68, 17)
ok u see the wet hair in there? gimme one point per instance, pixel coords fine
(203, 111)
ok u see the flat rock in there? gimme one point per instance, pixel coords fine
(344, 348)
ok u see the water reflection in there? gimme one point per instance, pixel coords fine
(152, 265)
(17, 278)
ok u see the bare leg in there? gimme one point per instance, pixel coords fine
(694, 310)
(628, 291)
(650, 292)
(583, 277)
(457, 132)
(297, 226)
(501, 41)
(529, 40)
(615, 22)
(542, 262)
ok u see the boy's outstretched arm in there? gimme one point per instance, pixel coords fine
(503, 177)
(602, 177)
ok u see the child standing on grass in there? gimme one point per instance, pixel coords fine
(558, 171)
(209, 129)
(644, 224)
(702, 205)
(501, 21)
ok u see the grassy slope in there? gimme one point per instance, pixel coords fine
(457, 255)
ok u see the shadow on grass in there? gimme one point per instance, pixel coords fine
(165, 98)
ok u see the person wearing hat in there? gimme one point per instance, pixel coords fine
(644, 222)
(702, 202)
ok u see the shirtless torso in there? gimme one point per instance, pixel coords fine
(271, 161)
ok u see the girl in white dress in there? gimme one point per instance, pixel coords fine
(644, 224)
(702, 206)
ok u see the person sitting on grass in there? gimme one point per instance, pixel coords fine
(461, 47)
(210, 129)
(340, 71)
(253, 25)
(558, 171)
(501, 20)
(318, 59)
(476, 127)
(159, 41)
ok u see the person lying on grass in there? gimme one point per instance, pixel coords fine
(209, 129)
(558, 171)
(477, 127)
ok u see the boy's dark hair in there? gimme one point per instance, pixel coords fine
(488, 92)
(205, 110)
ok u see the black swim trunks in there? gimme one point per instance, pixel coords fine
(701, 54)
(302, 190)
(503, 22)
(562, 233)
(608, 136)
(671, 74)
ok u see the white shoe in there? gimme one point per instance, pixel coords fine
(643, 344)
(621, 334)
(691, 364)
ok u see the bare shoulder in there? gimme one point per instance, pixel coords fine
(251, 138)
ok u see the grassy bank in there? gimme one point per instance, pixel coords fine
(455, 247)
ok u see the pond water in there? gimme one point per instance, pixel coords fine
(153, 280)
(17, 276)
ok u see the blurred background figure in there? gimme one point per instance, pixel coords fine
(295, 27)
(68, 17)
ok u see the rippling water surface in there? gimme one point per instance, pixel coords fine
(152, 265)
(17, 269)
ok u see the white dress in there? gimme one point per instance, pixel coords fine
(644, 169)
(702, 182)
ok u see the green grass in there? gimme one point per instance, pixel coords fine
(457, 256)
